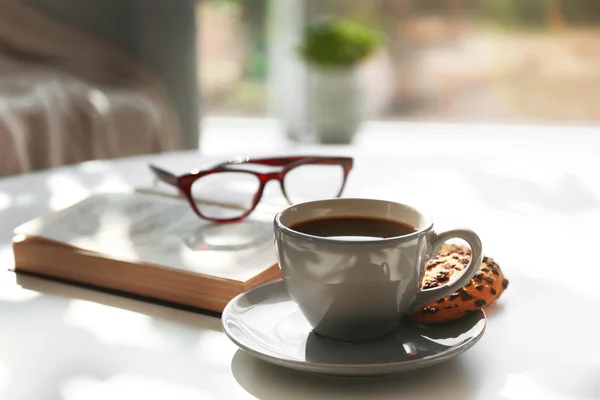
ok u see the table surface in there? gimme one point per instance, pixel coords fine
(532, 193)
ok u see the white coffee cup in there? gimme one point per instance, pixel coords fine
(356, 290)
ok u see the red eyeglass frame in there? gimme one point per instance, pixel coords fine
(184, 182)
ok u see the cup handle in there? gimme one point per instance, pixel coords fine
(428, 295)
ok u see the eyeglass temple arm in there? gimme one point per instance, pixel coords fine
(163, 175)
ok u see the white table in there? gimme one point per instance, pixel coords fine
(533, 194)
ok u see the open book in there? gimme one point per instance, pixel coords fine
(152, 246)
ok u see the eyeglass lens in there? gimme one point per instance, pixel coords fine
(225, 195)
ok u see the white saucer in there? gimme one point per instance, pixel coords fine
(266, 323)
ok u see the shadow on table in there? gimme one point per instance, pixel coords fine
(269, 382)
(156, 309)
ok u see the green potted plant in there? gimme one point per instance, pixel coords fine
(333, 49)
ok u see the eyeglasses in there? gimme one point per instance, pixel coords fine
(229, 192)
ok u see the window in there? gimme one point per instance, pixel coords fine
(507, 61)
(233, 57)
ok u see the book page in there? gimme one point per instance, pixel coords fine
(155, 229)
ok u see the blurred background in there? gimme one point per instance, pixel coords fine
(505, 61)
(89, 79)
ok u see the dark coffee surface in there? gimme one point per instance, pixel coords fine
(353, 228)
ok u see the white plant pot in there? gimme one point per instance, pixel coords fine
(335, 103)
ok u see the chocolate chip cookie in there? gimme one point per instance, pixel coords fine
(485, 287)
